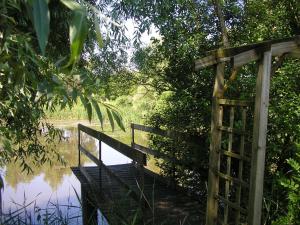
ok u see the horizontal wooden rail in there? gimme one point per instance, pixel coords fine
(236, 156)
(232, 179)
(230, 102)
(169, 134)
(90, 155)
(124, 149)
(232, 205)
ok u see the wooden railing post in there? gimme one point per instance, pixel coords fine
(100, 159)
(132, 135)
(215, 145)
(259, 139)
(78, 130)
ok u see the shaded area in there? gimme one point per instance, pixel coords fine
(158, 203)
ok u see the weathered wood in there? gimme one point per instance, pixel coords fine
(227, 184)
(232, 179)
(247, 53)
(148, 150)
(90, 156)
(168, 133)
(79, 141)
(89, 131)
(236, 156)
(241, 165)
(230, 102)
(215, 147)
(124, 149)
(232, 205)
(167, 205)
(231, 130)
(259, 139)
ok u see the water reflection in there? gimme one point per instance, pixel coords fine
(54, 187)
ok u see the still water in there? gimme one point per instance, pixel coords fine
(54, 189)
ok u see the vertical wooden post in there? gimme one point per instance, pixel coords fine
(78, 130)
(227, 182)
(100, 159)
(259, 139)
(132, 135)
(241, 165)
(215, 145)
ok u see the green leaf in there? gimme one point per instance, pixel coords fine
(71, 4)
(118, 119)
(111, 120)
(98, 111)
(41, 21)
(87, 105)
(98, 33)
(78, 29)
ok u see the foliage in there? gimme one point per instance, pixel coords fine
(188, 29)
(33, 80)
(291, 183)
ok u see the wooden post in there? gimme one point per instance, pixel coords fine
(132, 135)
(215, 145)
(259, 139)
(100, 159)
(78, 144)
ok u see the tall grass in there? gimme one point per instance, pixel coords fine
(29, 213)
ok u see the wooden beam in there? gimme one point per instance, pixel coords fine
(247, 53)
(215, 147)
(259, 139)
(124, 149)
(168, 133)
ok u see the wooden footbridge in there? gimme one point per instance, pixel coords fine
(131, 193)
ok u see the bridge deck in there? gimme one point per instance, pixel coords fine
(162, 205)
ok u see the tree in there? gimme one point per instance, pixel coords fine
(36, 73)
(188, 30)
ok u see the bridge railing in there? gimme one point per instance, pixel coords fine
(136, 156)
(175, 135)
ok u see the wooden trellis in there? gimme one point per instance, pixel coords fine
(235, 196)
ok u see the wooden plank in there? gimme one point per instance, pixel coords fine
(78, 144)
(161, 155)
(231, 204)
(215, 146)
(247, 53)
(259, 139)
(231, 130)
(236, 156)
(246, 57)
(90, 156)
(284, 47)
(131, 192)
(147, 150)
(124, 149)
(232, 179)
(193, 139)
(231, 102)
(206, 61)
(241, 165)
(89, 131)
(228, 165)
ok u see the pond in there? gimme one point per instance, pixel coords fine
(53, 192)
